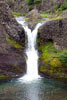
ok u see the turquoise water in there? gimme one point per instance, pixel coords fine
(41, 89)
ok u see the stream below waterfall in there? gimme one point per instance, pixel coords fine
(40, 89)
(32, 86)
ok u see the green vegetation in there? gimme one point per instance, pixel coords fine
(14, 43)
(58, 18)
(30, 7)
(54, 62)
(17, 13)
(53, 57)
(2, 76)
(26, 19)
(63, 57)
(37, 1)
(46, 14)
(62, 7)
(16, 65)
(30, 2)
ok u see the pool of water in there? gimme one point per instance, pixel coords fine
(41, 89)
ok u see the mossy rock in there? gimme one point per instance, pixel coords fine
(59, 18)
(3, 76)
(13, 42)
(55, 62)
(17, 13)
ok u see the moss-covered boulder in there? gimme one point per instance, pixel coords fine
(53, 63)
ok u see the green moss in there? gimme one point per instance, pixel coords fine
(63, 57)
(46, 15)
(37, 1)
(26, 19)
(51, 71)
(15, 64)
(22, 4)
(58, 18)
(66, 76)
(53, 57)
(19, 69)
(2, 76)
(14, 43)
(30, 7)
(55, 62)
(43, 69)
(17, 13)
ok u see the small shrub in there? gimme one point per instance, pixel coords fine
(30, 2)
(30, 7)
(64, 6)
(37, 1)
(63, 58)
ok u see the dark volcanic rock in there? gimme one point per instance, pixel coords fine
(12, 60)
(55, 31)
(9, 23)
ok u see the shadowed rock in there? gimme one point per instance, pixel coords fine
(12, 61)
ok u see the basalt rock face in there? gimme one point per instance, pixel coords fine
(12, 61)
(9, 23)
(55, 31)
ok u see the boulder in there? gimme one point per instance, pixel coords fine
(33, 17)
(9, 23)
(56, 32)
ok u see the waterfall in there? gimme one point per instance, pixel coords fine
(31, 52)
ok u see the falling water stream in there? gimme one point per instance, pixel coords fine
(31, 51)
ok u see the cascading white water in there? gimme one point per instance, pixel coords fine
(31, 52)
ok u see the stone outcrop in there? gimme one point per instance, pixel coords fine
(9, 23)
(12, 61)
(56, 32)
(33, 18)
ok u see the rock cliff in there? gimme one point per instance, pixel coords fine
(12, 61)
